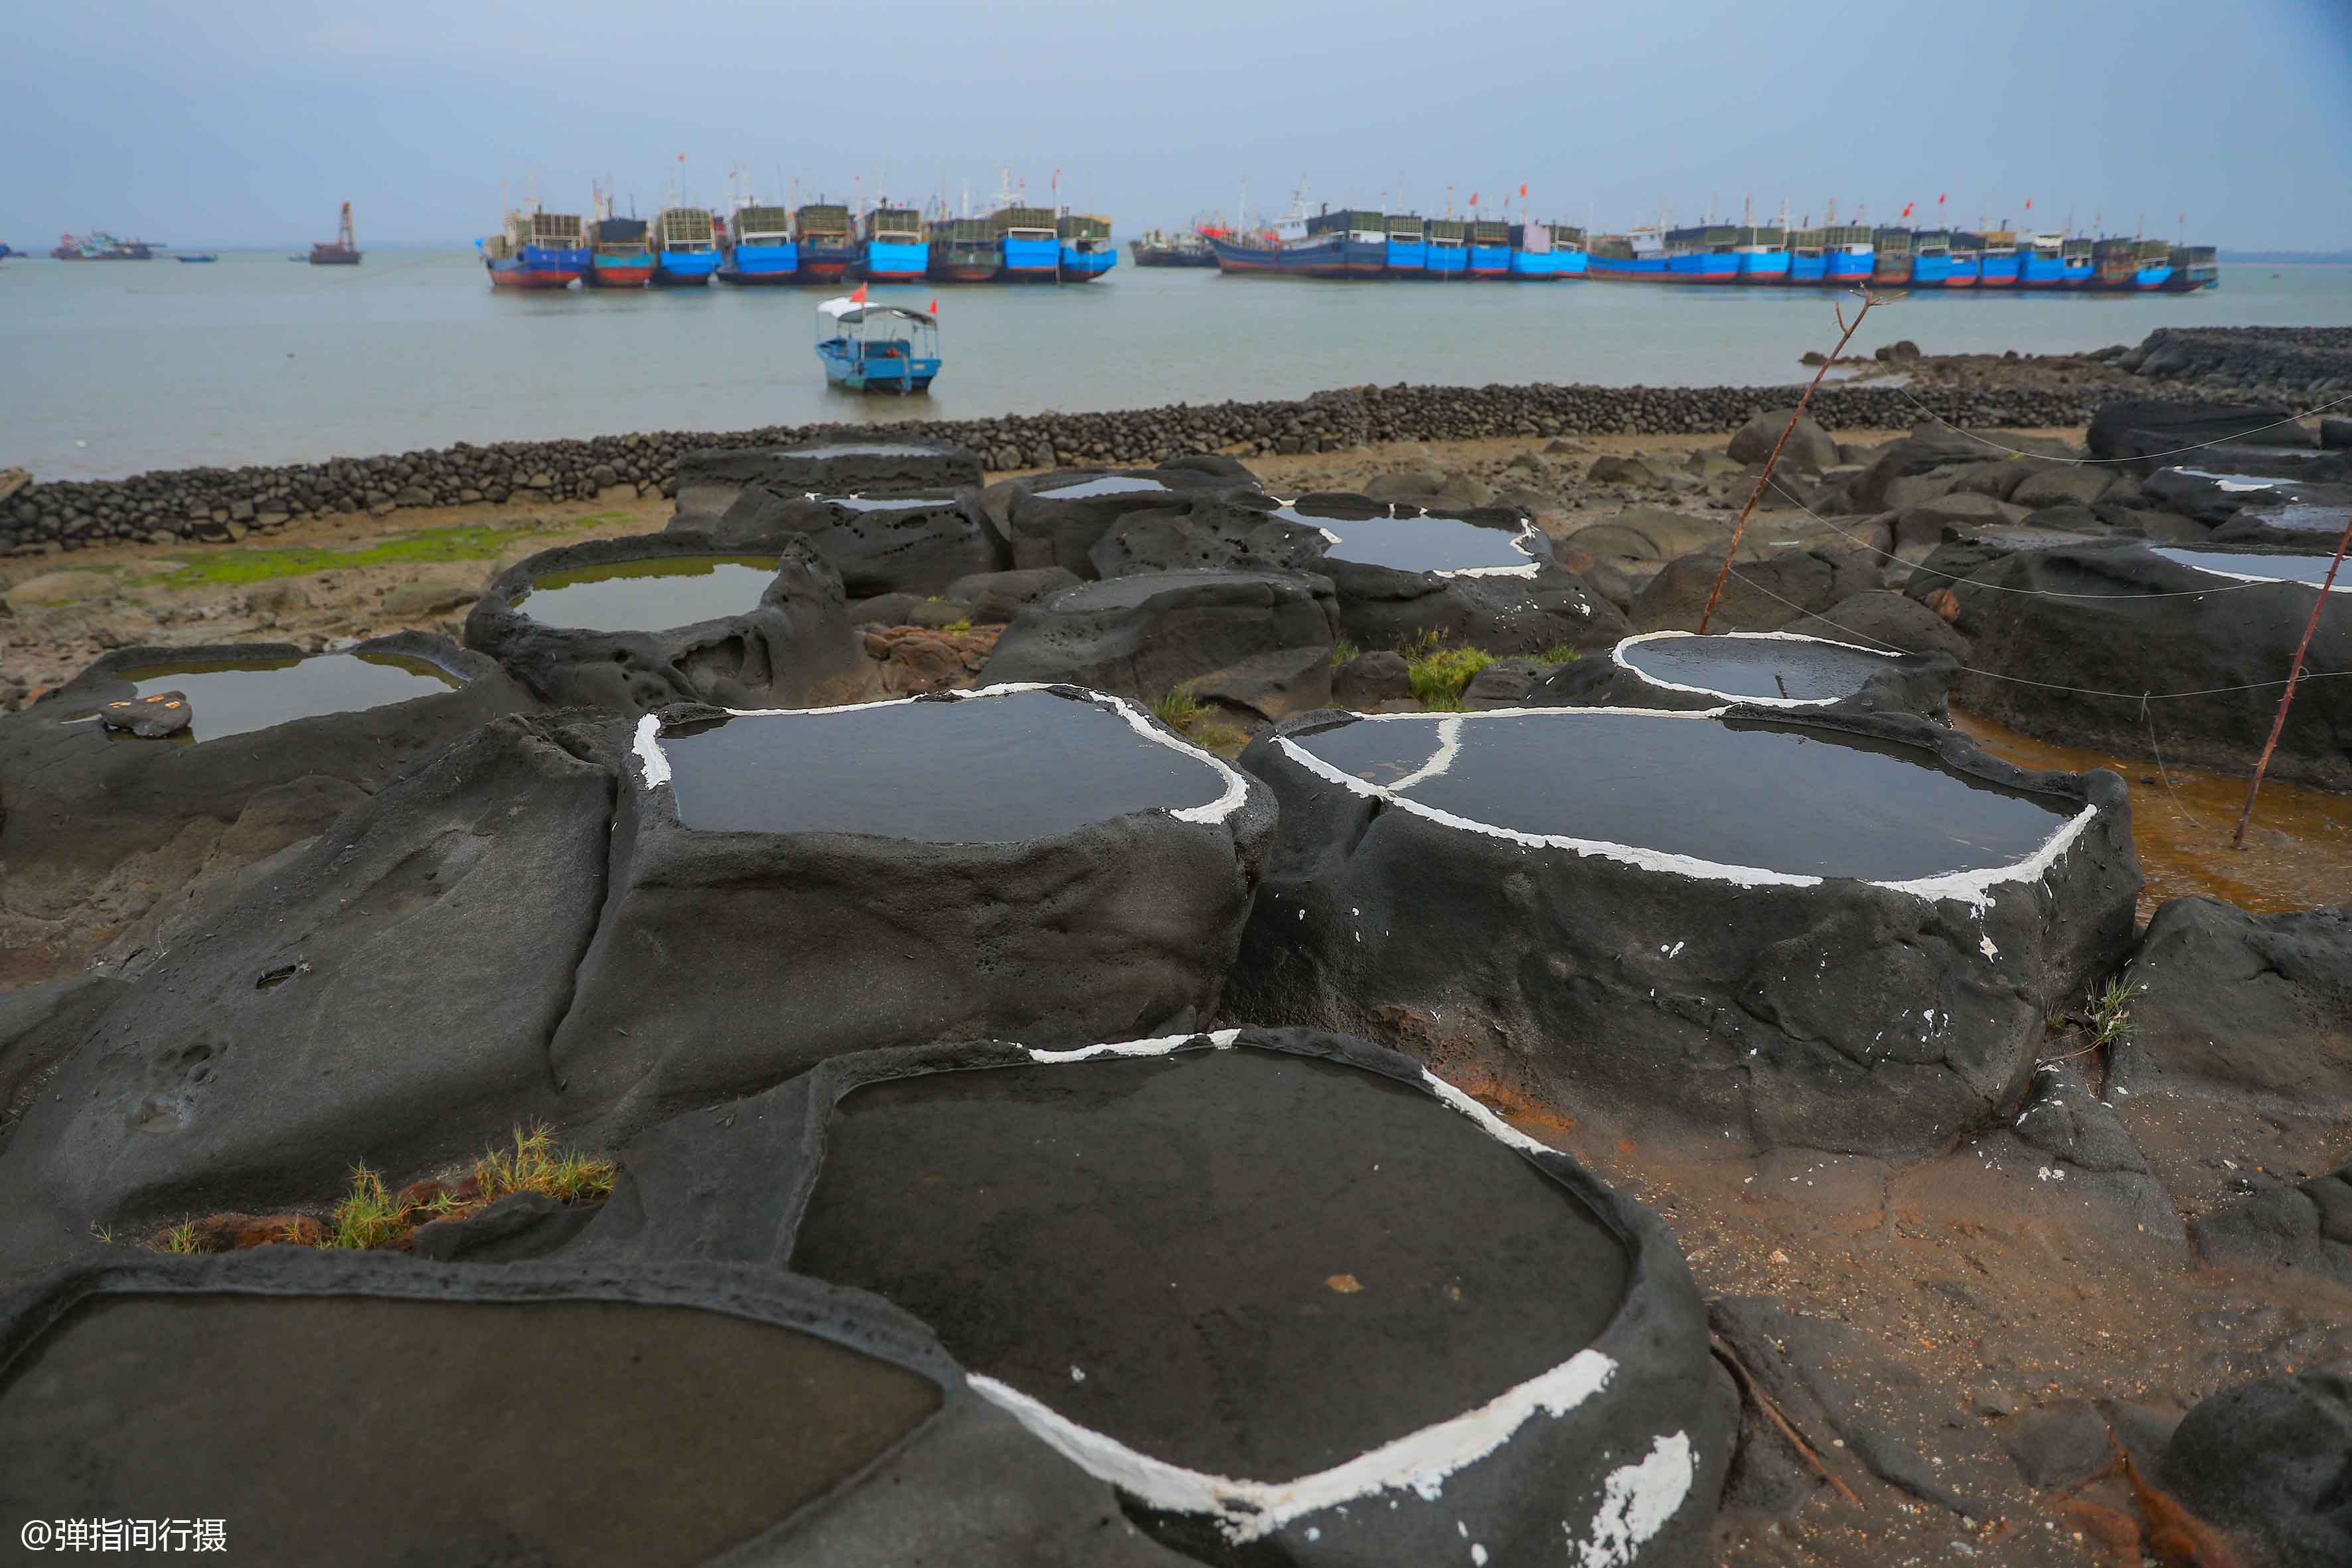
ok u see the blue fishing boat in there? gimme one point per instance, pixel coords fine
(2040, 261)
(2076, 257)
(876, 348)
(1448, 249)
(964, 250)
(686, 247)
(1531, 255)
(2002, 262)
(1763, 253)
(1702, 254)
(1325, 245)
(538, 250)
(2194, 267)
(1408, 245)
(892, 248)
(1568, 249)
(196, 256)
(1851, 251)
(1966, 261)
(1808, 263)
(827, 241)
(1087, 250)
(759, 250)
(1032, 241)
(1490, 249)
(1931, 259)
(1892, 266)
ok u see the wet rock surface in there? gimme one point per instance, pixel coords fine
(758, 634)
(1592, 945)
(708, 481)
(100, 826)
(1256, 640)
(2267, 1461)
(2069, 635)
(881, 541)
(1057, 519)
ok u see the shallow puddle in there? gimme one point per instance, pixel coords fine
(2247, 565)
(714, 1427)
(1430, 543)
(1814, 803)
(865, 450)
(2299, 517)
(1107, 485)
(1773, 668)
(883, 503)
(987, 769)
(651, 595)
(1246, 1263)
(236, 697)
(2298, 853)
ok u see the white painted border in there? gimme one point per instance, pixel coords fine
(1617, 657)
(1973, 888)
(2343, 580)
(2236, 483)
(1422, 1459)
(657, 766)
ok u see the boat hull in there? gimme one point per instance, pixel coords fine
(1808, 270)
(1407, 258)
(1930, 272)
(620, 271)
(852, 373)
(825, 260)
(2078, 275)
(1085, 266)
(683, 269)
(1333, 257)
(1763, 266)
(755, 266)
(1490, 261)
(1688, 270)
(1030, 260)
(1449, 261)
(1534, 266)
(965, 268)
(1998, 272)
(891, 261)
(1960, 272)
(538, 267)
(1571, 266)
(1849, 268)
(2040, 272)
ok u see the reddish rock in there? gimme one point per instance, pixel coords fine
(916, 659)
(235, 1232)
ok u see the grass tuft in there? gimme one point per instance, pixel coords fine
(536, 1164)
(1439, 674)
(241, 566)
(1558, 653)
(366, 1216)
(1177, 710)
(181, 1238)
(1342, 650)
(2110, 1012)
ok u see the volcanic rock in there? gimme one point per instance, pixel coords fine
(1371, 679)
(149, 717)
(708, 481)
(1882, 620)
(1056, 519)
(2069, 636)
(998, 596)
(756, 639)
(2145, 436)
(1809, 446)
(1758, 596)
(881, 542)
(2050, 487)
(1259, 639)
(1212, 534)
(1452, 883)
(2266, 1461)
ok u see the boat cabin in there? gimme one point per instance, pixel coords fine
(876, 348)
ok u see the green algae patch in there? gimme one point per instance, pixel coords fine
(241, 566)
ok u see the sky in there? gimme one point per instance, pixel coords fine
(248, 122)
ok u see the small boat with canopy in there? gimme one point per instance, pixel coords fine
(876, 348)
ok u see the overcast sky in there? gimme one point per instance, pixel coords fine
(246, 121)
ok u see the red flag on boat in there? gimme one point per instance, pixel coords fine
(858, 296)
(1908, 206)
(1522, 189)
(1474, 198)
(1940, 201)
(933, 310)
(2028, 204)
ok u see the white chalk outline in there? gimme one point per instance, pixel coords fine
(1617, 657)
(657, 766)
(1422, 1459)
(2174, 553)
(1972, 887)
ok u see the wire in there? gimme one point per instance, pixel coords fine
(1904, 394)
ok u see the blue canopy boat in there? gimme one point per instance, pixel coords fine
(186, 257)
(876, 348)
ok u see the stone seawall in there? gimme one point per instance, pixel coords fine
(222, 504)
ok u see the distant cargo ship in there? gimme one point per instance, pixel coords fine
(1890, 266)
(2041, 261)
(1931, 259)
(1808, 263)
(343, 250)
(618, 254)
(2074, 256)
(2125, 265)
(1706, 253)
(758, 250)
(964, 250)
(891, 248)
(1325, 245)
(686, 247)
(99, 246)
(2002, 261)
(1851, 251)
(1159, 249)
(538, 250)
(1087, 250)
(826, 240)
(1032, 244)
(1967, 262)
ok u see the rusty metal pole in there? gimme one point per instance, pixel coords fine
(1770, 463)
(2293, 674)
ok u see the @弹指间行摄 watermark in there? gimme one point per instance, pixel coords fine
(141, 1535)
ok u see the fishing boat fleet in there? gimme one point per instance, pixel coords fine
(1353, 243)
(757, 244)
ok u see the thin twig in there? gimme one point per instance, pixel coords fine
(1730, 1358)
(1771, 462)
(2293, 674)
